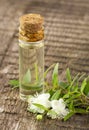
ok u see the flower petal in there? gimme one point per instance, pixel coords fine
(41, 99)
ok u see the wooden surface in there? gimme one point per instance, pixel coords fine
(66, 42)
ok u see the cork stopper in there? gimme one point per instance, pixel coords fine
(31, 22)
(31, 28)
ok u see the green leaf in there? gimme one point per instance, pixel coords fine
(52, 112)
(36, 86)
(81, 76)
(27, 77)
(75, 88)
(87, 109)
(80, 110)
(68, 75)
(74, 84)
(71, 106)
(14, 83)
(36, 72)
(86, 89)
(74, 80)
(40, 106)
(75, 96)
(46, 72)
(69, 115)
(51, 92)
(55, 80)
(72, 97)
(56, 95)
(63, 85)
(83, 85)
(67, 95)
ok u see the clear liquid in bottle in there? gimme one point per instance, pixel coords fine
(31, 66)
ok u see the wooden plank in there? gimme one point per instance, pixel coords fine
(5, 41)
(5, 37)
(67, 42)
(10, 12)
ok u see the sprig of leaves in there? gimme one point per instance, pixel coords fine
(55, 81)
(74, 92)
(14, 83)
(27, 77)
(26, 81)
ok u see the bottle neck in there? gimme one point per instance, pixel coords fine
(31, 45)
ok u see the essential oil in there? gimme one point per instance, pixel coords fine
(31, 55)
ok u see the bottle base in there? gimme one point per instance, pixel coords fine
(23, 97)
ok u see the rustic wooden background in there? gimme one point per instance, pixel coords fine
(66, 42)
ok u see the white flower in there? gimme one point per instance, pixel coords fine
(42, 99)
(58, 109)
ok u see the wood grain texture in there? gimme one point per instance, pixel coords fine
(66, 42)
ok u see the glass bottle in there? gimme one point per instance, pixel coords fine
(31, 56)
